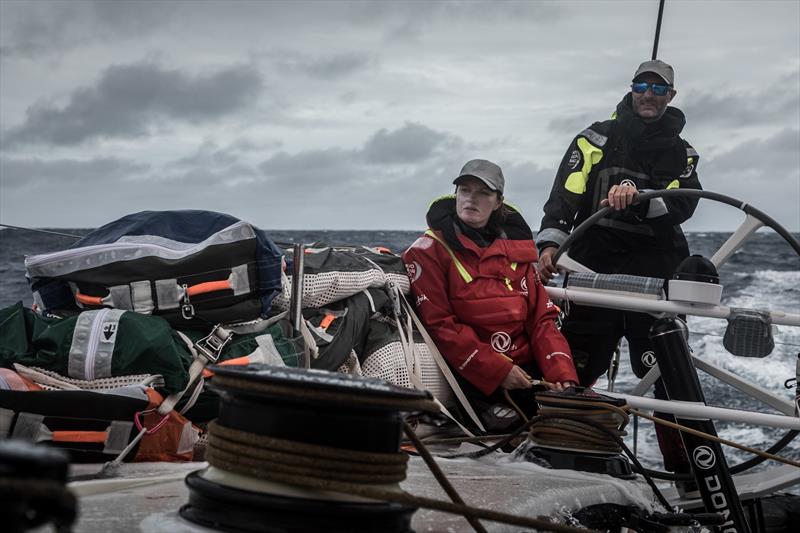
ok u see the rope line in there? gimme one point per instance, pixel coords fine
(226, 451)
(715, 438)
(440, 477)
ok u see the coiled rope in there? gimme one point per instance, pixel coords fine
(353, 472)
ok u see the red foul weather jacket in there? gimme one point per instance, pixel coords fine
(485, 308)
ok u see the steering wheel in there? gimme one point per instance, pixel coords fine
(754, 220)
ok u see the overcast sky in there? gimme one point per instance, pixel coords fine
(354, 115)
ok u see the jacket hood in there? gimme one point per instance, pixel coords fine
(442, 216)
(649, 136)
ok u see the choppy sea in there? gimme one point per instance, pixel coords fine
(764, 274)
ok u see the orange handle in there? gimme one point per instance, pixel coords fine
(79, 436)
(238, 361)
(209, 286)
(88, 300)
(327, 321)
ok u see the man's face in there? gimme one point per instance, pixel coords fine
(647, 105)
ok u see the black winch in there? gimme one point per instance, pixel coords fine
(579, 429)
(33, 488)
(283, 440)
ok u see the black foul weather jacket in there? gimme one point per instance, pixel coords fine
(645, 239)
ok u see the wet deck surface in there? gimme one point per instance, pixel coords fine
(147, 496)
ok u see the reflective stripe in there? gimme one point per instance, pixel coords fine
(657, 207)
(142, 297)
(576, 182)
(121, 297)
(239, 281)
(168, 293)
(28, 426)
(461, 269)
(119, 433)
(674, 184)
(596, 138)
(99, 255)
(93, 343)
(551, 235)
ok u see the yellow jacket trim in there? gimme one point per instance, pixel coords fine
(576, 182)
(460, 267)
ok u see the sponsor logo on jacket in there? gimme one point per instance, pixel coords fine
(463, 365)
(414, 271)
(501, 342)
(562, 354)
(422, 298)
(523, 286)
(574, 159)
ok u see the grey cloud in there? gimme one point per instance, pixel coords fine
(777, 102)
(408, 144)
(769, 159)
(50, 28)
(210, 178)
(311, 167)
(573, 123)
(323, 67)
(210, 154)
(17, 173)
(128, 100)
(764, 173)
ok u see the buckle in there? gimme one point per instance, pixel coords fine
(187, 309)
(210, 346)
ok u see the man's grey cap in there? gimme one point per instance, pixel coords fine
(484, 170)
(658, 67)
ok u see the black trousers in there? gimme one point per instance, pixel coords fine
(480, 402)
(593, 335)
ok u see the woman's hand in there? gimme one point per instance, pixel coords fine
(517, 379)
(560, 386)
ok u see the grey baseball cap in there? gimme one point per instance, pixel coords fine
(658, 67)
(484, 170)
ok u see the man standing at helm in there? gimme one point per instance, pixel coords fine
(610, 163)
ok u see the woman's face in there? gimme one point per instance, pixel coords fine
(475, 202)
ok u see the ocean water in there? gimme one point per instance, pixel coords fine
(764, 274)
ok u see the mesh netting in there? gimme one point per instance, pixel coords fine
(389, 364)
(50, 380)
(749, 333)
(351, 365)
(326, 287)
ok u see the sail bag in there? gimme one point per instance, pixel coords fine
(191, 267)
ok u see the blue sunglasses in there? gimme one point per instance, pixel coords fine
(659, 89)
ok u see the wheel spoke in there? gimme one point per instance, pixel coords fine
(735, 241)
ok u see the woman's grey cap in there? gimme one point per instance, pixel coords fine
(658, 67)
(484, 170)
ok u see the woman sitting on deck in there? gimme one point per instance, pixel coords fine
(481, 299)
